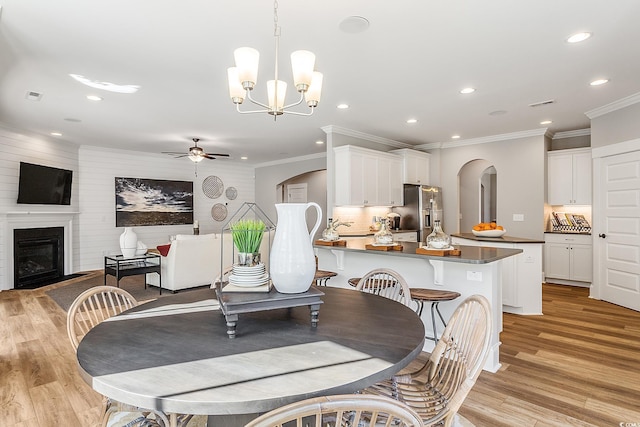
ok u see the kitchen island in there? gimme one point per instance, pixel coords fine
(477, 270)
(521, 275)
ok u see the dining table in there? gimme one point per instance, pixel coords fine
(173, 354)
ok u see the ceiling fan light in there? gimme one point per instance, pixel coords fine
(247, 60)
(195, 158)
(276, 107)
(302, 64)
(312, 95)
(236, 92)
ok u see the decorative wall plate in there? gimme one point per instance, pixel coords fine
(231, 193)
(219, 212)
(212, 187)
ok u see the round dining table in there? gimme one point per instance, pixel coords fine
(173, 354)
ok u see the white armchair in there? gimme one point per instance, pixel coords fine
(192, 261)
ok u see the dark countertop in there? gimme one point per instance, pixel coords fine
(503, 239)
(371, 233)
(469, 255)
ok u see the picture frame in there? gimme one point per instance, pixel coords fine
(144, 202)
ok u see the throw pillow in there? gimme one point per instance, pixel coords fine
(163, 249)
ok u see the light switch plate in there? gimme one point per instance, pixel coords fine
(518, 217)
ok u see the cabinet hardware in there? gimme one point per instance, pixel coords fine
(602, 235)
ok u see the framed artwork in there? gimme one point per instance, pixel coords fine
(142, 201)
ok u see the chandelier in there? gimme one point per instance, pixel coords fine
(242, 79)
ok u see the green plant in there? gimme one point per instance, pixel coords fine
(247, 235)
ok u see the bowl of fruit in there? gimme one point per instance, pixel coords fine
(488, 229)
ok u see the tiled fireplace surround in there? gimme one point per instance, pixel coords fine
(20, 220)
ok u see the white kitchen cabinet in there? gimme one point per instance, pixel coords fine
(569, 177)
(415, 166)
(405, 236)
(366, 177)
(569, 258)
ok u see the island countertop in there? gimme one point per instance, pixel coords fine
(503, 239)
(469, 254)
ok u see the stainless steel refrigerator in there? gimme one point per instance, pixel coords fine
(422, 206)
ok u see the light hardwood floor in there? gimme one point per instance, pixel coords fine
(578, 365)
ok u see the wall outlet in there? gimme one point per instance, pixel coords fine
(475, 276)
(518, 217)
(528, 259)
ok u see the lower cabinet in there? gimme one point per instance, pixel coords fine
(569, 258)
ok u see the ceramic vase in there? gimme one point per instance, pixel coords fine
(292, 262)
(128, 242)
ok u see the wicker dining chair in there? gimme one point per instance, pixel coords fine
(90, 308)
(341, 410)
(387, 283)
(437, 390)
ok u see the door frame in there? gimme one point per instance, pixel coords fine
(597, 155)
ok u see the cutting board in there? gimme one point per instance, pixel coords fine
(331, 242)
(438, 252)
(383, 248)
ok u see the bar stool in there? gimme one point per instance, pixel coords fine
(435, 297)
(322, 276)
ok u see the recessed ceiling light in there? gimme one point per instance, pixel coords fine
(599, 82)
(412, 121)
(55, 134)
(578, 37)
(546, 122)
(243, 158)
(467, 90)
(455, 137)
(111, 87)
(343, 106)
(319, 142)
(94, 98)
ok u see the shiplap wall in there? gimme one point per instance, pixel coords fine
(98, 169)
(14, 148)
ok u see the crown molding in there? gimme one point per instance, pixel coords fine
(613, 106)
(290, 160)
(487, 139)
(365, 136)
(572, 133)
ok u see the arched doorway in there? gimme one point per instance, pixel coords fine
(477, 184)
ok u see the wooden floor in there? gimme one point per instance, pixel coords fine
(578, 365)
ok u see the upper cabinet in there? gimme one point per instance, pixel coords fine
(415, 165)
(569, 177)
(366, 177)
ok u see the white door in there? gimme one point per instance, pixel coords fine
(620, 233)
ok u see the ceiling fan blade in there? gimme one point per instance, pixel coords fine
(217, 154)
(172, 152)
(208, 156)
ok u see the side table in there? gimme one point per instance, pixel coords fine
(119, 267)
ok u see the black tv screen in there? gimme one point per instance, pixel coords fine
(44, 185)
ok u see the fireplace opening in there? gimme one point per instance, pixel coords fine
(38, 255)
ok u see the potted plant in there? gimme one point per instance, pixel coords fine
(247, 236)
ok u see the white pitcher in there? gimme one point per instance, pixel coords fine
(292, 260)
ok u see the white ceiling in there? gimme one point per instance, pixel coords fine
(410, 63)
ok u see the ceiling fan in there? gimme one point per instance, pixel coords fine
(195, 153)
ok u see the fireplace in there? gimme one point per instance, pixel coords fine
(38, 256)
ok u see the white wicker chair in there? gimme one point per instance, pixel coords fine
(437, 390)
(387, 283)
(341, 410)
(90, 308)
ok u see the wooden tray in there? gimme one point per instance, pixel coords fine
(330, 243)
(383, 248)
(438, 252)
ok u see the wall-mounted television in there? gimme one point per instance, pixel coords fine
(44, 185)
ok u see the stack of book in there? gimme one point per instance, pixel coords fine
(564, 221)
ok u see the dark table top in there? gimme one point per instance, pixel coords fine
(173, 354)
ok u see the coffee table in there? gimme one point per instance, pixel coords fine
(120, 266)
